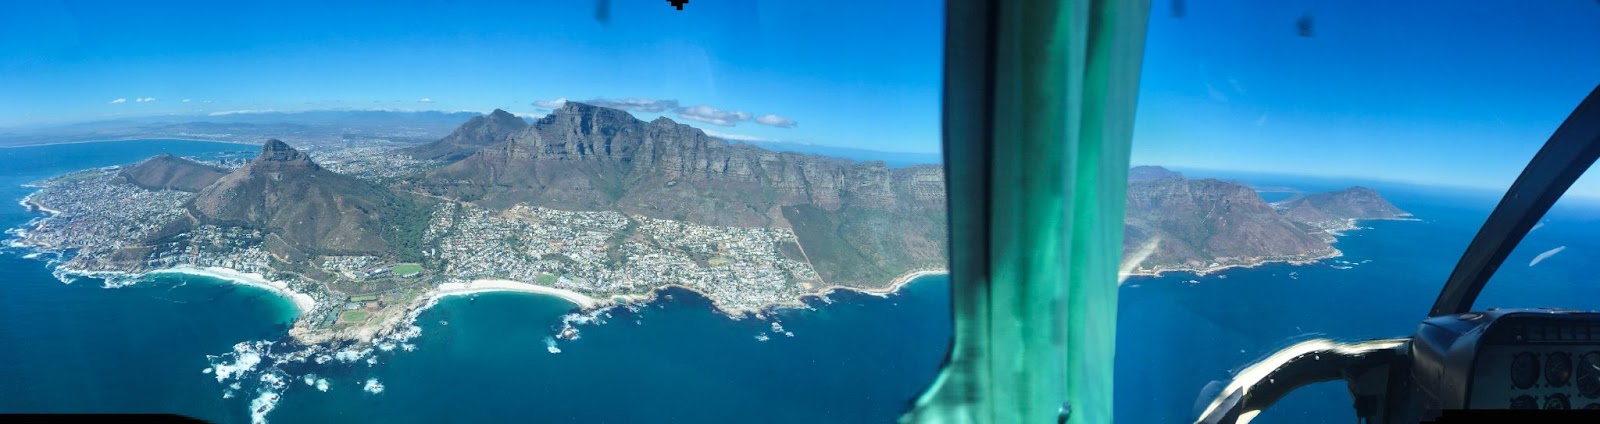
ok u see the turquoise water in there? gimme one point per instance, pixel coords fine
(81, 347)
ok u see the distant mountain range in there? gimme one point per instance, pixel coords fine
(252, 127)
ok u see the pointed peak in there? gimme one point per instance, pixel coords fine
(165, 155)
(276, 150)
(500, 119)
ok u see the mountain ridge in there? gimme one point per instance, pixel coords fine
(310, 209)
(1207, 224)
(585, 157)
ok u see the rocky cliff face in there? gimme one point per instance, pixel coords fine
(584, 157)
(304, 208)
(168, 172)
(478, 132)
(1203, 222)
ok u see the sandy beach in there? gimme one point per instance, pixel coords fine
(484, 286)
(894, 285)
(302, 301)
(28, 203)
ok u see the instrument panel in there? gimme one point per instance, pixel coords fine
(1538, 362)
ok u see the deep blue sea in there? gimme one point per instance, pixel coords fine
(143, 348)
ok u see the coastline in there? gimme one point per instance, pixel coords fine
(1351, 225)
(302, 302)
(1201, 272)
(894, 285)
(498, 285)
(589, 304)
(28, 203)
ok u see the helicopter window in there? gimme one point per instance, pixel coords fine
(1307, 170)
(1554, 264)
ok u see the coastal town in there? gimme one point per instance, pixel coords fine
(93, 220)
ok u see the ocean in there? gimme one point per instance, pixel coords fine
(156, 346)
(1175, 337)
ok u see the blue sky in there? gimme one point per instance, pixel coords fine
(1456, 93)
(845, 74)
(1440, 92)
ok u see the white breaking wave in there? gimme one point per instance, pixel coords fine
(245, 359)
(1546, 255)
(261, 406)
(322, 384)
(373, 386)
(550, 345)
(348, 355)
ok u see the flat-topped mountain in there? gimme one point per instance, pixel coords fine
(168, 172)
(859, 223)
(1151, 173)
(308, 208)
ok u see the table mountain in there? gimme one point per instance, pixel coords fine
(1151, 173)
(859, 223)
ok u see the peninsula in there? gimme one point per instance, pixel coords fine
(589, 204)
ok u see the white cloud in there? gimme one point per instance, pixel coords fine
(145, 99)
(739, 137)
(535, 115)
(186, 100)
(551, 104)
(425, 100)
(775, 120)
(713, 116)
(240, 112)
(206, 101)
(637, 105)
(119, 100)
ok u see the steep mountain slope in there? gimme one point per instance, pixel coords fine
(860, 223)
(308, 209)
(480, 131)
(168, 172)
(1201, 222)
